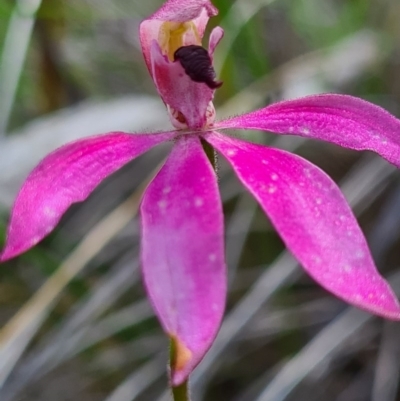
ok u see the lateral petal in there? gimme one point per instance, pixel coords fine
(343, 120)
(66, 176)
(183, 253)
(314, 220)
(216, 36)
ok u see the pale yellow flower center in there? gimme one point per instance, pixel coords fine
(173, 35)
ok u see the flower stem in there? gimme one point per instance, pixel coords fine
(210, 152)
(181, 393)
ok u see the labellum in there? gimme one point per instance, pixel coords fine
(197, 64)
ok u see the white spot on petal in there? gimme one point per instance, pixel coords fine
(162, 204)
(318, 201)
(264, 161)
(359, 254)
(212, 257)
(231, 152)
(316, 259)
(198, 202)
(347, 268)
(307, 172)
(274, 177)
(49, 212)
(305, 130)
(35, 240)
(166, 190)
(272, 189)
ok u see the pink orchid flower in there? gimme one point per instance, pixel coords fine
(182, 220)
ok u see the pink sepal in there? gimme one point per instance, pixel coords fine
(314, 220)
(65, 176)
(343, 120)
(183, 253)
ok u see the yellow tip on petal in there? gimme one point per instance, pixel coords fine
(180, 354)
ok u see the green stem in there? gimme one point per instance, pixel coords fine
(210, 152)
(181, 393)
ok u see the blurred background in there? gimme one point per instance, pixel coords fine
(74, 320)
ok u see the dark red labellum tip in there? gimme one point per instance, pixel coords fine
(197, 64)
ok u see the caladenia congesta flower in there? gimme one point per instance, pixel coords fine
(182, 248)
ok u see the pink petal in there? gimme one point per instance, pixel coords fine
(198, 11)
(178, 90)
(183, 252)
(344, 120)
(65, 176)
(215, 37)
(314, 220)
(185, 10)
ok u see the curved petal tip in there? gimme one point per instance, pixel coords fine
(182, 361)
